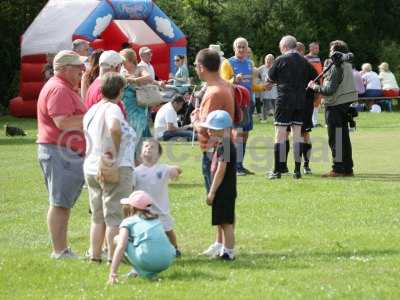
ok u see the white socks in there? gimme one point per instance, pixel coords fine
(218, 245)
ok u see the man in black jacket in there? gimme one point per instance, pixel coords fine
(291, 72)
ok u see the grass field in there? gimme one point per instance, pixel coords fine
(309, 239)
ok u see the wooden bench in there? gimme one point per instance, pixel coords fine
(371, 100)
(377, 98)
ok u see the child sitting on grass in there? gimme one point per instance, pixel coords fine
(153, 178)
(141, 239)
(222, 194)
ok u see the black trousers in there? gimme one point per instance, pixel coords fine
(339, 140)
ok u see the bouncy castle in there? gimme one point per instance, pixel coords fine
(106, 24)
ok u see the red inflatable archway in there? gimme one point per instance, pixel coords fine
(112, 37)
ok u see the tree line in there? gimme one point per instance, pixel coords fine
(368, 26)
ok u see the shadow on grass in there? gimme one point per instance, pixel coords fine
(253, 261)
(290, 260)
(182, 275)
(395, 126)
(183, 185)
(17, 141)
(378, 177)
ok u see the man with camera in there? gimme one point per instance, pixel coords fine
(339, 92)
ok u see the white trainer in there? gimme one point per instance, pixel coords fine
(131, 274)
(65, 254)
(213, 250)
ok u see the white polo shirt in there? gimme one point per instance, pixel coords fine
(372, 81)
(149, 68)
(166, 114)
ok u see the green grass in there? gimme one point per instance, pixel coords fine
(309, 239)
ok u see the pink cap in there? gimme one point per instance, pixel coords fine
(138, 199)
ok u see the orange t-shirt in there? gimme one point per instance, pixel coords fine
(217, 97)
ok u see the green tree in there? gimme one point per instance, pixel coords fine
(368, 26)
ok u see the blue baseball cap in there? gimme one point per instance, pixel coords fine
(217, 120)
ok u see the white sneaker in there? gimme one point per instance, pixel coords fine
(213, 250)
(66, 254)
(131, 274)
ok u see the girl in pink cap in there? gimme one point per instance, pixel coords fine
(142, 240)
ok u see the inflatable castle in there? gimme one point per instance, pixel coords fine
(106, 24)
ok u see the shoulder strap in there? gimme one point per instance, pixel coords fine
(100, 138)
(90, 121)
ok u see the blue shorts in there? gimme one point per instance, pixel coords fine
(63, 174)
(249, 126)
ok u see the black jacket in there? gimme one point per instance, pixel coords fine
(291, 72)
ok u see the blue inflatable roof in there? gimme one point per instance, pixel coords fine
(145, 10)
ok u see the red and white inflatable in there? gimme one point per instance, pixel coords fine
(106, 24)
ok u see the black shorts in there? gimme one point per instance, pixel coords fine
(223, 210)
(307, 121)
(288, 116)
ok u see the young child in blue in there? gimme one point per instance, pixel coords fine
(222, 194)
(141, 239)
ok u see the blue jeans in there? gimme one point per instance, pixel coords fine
(206, 170)
(373, 93)
(168, 135)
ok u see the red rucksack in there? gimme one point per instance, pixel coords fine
(242, 106)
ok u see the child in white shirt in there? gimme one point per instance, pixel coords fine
(153, 178)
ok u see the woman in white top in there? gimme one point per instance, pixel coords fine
(387, 78)
(389, 82)
(373, 87)
(109, 138)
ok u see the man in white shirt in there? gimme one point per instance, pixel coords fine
(145, 59)
(373, 86)
(166, 122)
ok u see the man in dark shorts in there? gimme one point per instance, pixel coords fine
(307, 127)
(308, 116)
(307, 124)
(290, 72)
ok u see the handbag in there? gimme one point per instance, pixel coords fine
(108, 167)
(148, 95)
